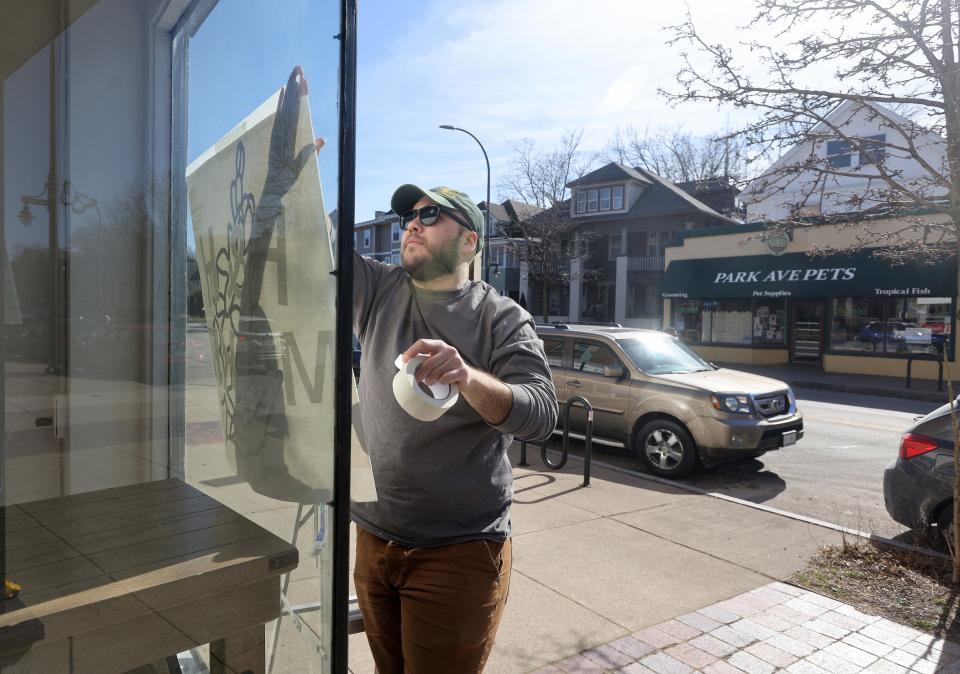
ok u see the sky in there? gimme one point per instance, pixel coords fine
(506, 70)
(509, 70)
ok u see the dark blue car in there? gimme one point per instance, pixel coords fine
(901, 336)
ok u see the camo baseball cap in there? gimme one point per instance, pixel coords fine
(406, 196)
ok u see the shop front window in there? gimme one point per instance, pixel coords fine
(168, 381)
(891, 325)
(857, 324)
(917, 324)
(688, 320)
(769, 321)
(731, 321)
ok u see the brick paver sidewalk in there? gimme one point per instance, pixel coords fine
(773, 628)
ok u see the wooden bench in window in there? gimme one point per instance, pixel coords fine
(118, 578)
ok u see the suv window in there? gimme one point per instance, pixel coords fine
(592, 357)
(554, 349)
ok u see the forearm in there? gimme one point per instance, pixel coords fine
(490, 397)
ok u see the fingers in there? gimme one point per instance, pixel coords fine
(437, 365)
(320, 142)
(306, 154)
(443, 365)
(427, 346)
(453, 376)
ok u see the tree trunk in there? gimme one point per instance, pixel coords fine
(954, 545)
(951, 99)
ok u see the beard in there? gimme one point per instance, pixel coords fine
(427, 264)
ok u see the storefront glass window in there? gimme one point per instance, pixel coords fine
(769, 321)
(688, 319)
(730, 321)
(168, 416)
(917, 324)
(857, 324)
(891, 325)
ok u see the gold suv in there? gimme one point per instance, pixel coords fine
(665, 403)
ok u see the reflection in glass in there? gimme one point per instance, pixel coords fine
(119, 497)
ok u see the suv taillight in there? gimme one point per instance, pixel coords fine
(912, 445)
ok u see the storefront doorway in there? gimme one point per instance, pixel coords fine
(806, 340)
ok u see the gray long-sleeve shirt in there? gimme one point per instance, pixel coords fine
(448, 480)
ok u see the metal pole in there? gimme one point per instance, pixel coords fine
(343, 380)
(486, 211)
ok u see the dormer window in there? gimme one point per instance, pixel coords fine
(598, 199)
(581, 201)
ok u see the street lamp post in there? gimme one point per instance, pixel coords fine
(486, 212)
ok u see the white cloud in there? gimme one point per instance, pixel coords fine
(510, 69)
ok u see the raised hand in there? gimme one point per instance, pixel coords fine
(285, 161)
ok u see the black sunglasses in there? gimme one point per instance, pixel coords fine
(429, 215)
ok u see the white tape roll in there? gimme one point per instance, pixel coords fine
(414, 400)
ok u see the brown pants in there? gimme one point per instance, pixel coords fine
(430, 610)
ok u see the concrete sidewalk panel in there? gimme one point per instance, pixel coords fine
(628, 576)
(730, 531)
(611, 493)
(540, 626)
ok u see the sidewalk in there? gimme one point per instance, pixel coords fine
(811, 376)
(595, 568)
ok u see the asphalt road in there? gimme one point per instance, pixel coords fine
(835, 473)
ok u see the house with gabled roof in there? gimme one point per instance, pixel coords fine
(630, 215)
(838, 168)
(505, 243)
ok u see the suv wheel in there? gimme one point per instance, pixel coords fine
(666, 448)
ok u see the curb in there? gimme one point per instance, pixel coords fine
(923, 396)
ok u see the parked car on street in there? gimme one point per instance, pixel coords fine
(669, 406)
(900, 336)
(918, 486)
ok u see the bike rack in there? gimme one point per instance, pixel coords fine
(565, 447)
(925, 356)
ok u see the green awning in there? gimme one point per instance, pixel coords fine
(798, 275)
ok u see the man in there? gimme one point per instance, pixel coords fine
(433, 552)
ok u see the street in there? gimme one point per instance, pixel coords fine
(835, 473)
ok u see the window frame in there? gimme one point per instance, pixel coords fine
(839, 153)
(605, 190)
(621, 248)
(593, 197)
(614, 196)
(564, 351)
(592, 343)
(886, 317)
